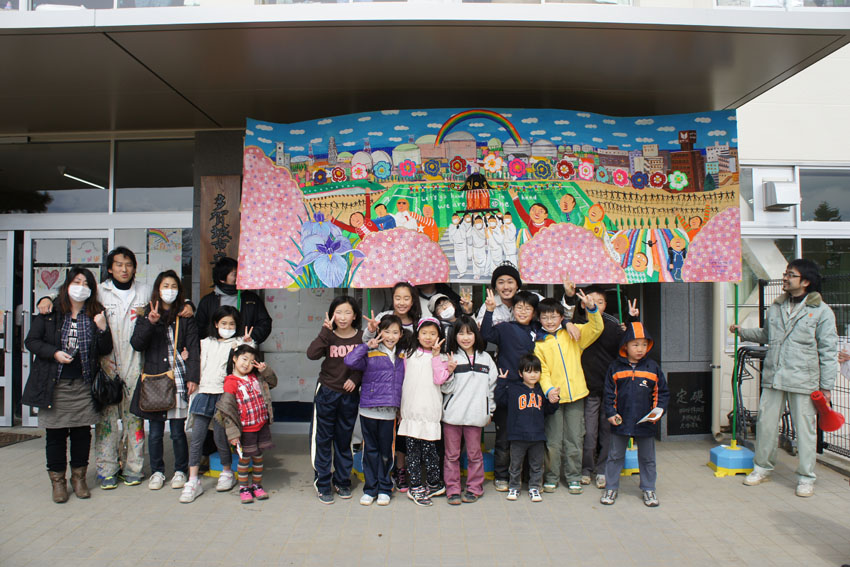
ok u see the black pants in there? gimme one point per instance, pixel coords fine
(334, 415)
(378, 455)
(419, 453)
(57, 447)
(535, 451)
(501, 451)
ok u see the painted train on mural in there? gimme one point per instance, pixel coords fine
(438, 195)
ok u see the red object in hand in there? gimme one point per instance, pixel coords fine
(828, 419)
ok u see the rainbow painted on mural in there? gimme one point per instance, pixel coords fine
(477, 113)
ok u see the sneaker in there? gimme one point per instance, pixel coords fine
(649, 498)
(513, 494)
(755, 478)
(805, 489)
(454, 499)
(156, 481)
(501, 485)
(178, 480)
(366, 500)
(226, 481)
(402, 481)
(109, 483)
(384, 499)
(437, 490)
(585, 479)
(534, 494)
(325, 498)
(469, 498)
(343, 491)
(550, 487)
(129, 480)
(191, 490)
(600, 481)
(575, 487)
(609, 497)
(245, 495)
(259, 492)
(419, 495)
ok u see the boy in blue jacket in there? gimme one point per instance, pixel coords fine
(636, 396)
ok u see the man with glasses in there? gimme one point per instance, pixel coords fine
(802, 357)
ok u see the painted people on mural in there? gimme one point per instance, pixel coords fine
(537, 216)
(569, 208)
(509, 231)
(458, 236)
(383, 220)
(360, 223)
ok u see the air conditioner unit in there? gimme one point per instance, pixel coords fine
(780, 195)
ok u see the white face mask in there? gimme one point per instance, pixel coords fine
(468, 221)
(492, 225)
(79, 292)
(226, 333)
(168, 295)
(455, 221)
(507, 221)
(447, 313)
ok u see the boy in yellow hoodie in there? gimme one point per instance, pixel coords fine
(562, 379)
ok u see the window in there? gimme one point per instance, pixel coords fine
(154, 175)
(825, 195)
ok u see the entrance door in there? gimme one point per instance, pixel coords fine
(7, 323)
(47, 257)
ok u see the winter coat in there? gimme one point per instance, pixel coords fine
(560, 359)
(227, 408)
(44, 340)
(252, 309)
(513, 339)
(122, 322)
(802, 355)
(421, 400)
(468, 393)
(634, 391)
(526, 409)
(382, 377)
(214, 357)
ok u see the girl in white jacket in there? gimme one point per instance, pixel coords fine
(215, 352)
(468, 406)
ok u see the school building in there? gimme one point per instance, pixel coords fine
(124, 126)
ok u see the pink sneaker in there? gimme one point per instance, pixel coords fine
(245, 495)
(259, 493)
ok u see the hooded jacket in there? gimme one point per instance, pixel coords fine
(513, 339)
(560, 358)
(634, 390)
(802, 355)
(382, 377)
(526, 409)
(468, 393)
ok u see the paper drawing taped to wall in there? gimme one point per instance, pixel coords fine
(437, 195)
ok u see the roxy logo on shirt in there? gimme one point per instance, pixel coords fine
(339, 351)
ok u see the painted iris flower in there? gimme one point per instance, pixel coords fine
(382, 170)
(329, 257)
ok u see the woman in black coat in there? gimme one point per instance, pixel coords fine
(67, 344)
(154, 335)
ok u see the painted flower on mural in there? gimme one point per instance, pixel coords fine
(330, 257)
(602, 175)
(678, 180)
(516, 168)
(457, 165)
(431, 167)
(566, 248)
(493, 163)
(407, 168)
(585, 171)
(639, 180)
(338, 174)
(566, 170)
(320, 227)
(359, 171)
(621, 178)
(320, 177)
(657, 179)
(399, 254)
(542, 169)
(715, 253)
(382, 170)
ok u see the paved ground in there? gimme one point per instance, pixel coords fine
(702, 520)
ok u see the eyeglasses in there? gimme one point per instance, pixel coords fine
(790, 276)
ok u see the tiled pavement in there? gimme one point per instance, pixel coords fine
(702, 520)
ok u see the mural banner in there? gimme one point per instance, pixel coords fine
(446, 195)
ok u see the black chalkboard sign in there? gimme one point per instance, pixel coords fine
(689, 412)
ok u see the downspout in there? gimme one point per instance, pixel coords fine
(718, 347)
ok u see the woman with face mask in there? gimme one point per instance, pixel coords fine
(67, 343)
(168, 342)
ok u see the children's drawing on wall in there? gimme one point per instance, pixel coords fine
(434, 195)
(86, 251)
(165, 248)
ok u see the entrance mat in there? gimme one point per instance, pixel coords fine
(7, 438)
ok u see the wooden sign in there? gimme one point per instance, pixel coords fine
(220, 197)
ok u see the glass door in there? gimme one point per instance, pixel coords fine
(7, 323)
(47, 257)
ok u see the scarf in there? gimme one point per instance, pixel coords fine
(79, 345)
(227, 295)
(178, 365)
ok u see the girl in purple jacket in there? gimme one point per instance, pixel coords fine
(380, 397)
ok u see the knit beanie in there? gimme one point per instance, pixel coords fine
(506, 269)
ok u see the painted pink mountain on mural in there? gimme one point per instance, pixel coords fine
(567, 249)
(271, 207)
(400, 254)
(715, 252)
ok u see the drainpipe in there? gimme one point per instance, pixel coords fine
(718, 336)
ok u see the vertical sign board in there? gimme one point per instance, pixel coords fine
(220, 198)
(689, 412)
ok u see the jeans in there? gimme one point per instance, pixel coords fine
(156, 430)
(56, 447)
(617, 458)
(199, 435)
(378, 455)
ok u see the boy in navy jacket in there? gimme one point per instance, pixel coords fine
(526, 406)
(636, 396)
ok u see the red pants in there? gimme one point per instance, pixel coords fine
(471, 435)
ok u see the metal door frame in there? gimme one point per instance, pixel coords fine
(8, 328)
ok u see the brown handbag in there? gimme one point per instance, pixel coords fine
(158, 392)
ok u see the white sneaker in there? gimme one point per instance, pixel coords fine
(600, 481)
(366, 500)
(534, 494)
(383, 499)
(755, 478)
(226, 481)
(513, 494)
(191, 490)
(178, 480)
(805, 489)
(156, 481)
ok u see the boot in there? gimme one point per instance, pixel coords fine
(60, 486)
(78, 482)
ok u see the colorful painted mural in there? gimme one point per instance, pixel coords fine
(437, 195)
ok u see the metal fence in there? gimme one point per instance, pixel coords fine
(836, 293)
